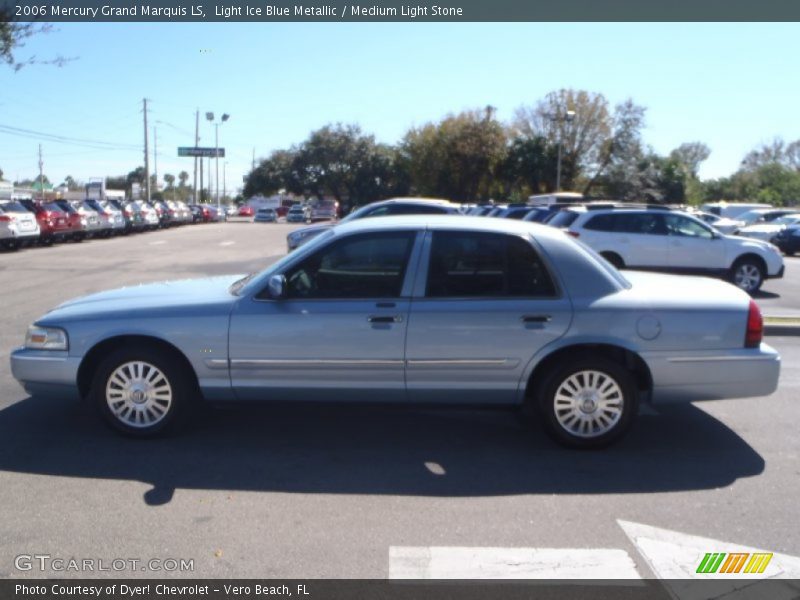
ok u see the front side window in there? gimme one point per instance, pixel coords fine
(359, 266)
(477, 264)
(683, 227)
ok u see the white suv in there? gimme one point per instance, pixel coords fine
(664, 240)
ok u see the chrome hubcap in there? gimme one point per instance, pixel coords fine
(747, 277)
(588, 403)
(138, 394)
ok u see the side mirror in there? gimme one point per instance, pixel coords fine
(277, 287)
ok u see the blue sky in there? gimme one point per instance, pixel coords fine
(732, 86)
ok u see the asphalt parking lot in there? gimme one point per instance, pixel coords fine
(348, 492)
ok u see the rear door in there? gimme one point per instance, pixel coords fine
(639, 238)
(483, 304)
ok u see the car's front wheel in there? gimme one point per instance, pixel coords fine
(747, 274)
(588, 403)
(140, 390)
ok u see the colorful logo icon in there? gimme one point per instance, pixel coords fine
(734, 562)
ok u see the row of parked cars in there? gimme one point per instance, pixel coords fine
(632, 236)
(26, 222)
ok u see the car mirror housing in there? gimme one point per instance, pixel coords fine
(276, 286)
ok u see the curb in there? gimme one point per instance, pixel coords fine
(786, 326)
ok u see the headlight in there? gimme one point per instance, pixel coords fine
(46, 338)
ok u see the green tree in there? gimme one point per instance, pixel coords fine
(529, 167)
(169, 179)
(456, 158)
(120, 182)
(183, 177)
(690, 155)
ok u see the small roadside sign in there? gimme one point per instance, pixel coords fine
(201, 151)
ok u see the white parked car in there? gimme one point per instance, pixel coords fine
(767, 231)
(762, 215)
(17, 225)
(664, 240)
(721, 224)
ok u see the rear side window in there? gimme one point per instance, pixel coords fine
(563, 219)
(600, 223)
(476, 264)
(639, 223)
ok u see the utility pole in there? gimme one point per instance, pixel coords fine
(41, 175)
(196, 143)
(254, 160)
(155, 155)
(200, 197)
(146, 157)
(224, 179)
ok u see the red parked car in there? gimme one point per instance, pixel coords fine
(246, 211)
(54, 224)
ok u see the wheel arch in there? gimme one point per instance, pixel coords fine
(100, 350)
(751, 255)
(623, 356)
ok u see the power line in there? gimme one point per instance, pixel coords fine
(30, 133)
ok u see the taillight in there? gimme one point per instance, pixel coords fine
(5, 219)
(755, 327)
(573, 233)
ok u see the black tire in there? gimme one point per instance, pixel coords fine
(11, 245)
(614, 259)
(747, 274)
(560, 423)
(151, 403)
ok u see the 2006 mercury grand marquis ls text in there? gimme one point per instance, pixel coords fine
(448, 309)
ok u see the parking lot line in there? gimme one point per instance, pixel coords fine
(442, 562)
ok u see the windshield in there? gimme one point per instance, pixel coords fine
(13, 206)
(787, 220)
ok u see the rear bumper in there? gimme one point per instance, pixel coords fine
(713, 375)
(46, 373)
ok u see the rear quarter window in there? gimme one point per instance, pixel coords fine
(565, 218)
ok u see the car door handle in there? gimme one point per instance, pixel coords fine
(536, 318)
(385, 319)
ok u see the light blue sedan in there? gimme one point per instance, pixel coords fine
(430, 309)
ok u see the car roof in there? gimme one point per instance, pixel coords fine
(413, 200)
(454, 222)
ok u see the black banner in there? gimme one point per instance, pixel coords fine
(393, 10)
(369, 589)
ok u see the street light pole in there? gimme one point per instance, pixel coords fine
(223, 118)
(216, 154)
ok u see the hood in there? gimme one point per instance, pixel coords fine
(748, 241)
(154, 298)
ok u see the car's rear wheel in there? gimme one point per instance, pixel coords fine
(588, 403)
(140, 390)
(614, 258)
(747, 274)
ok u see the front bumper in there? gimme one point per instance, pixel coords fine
(713, 375)
(46, 373)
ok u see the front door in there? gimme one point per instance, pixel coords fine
(693, 246)
(339, 334)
